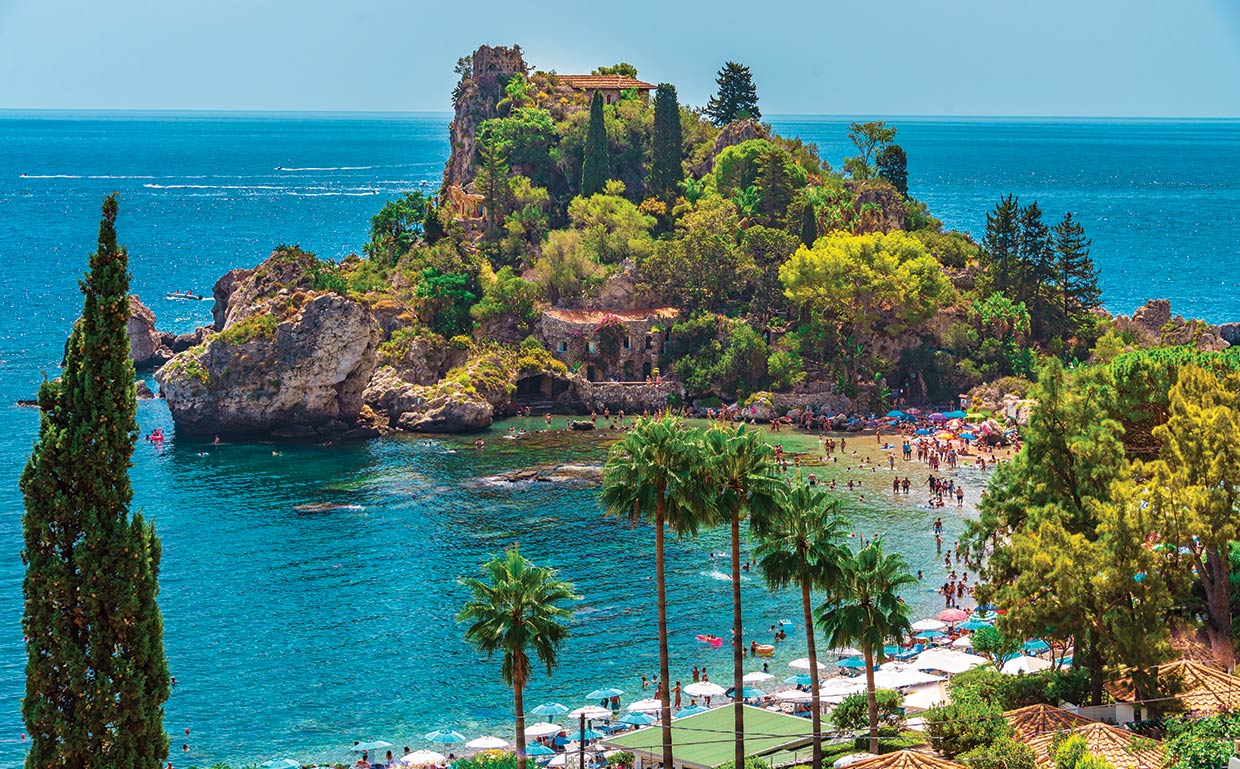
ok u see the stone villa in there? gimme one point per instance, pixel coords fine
(608, 345)
(608, 85)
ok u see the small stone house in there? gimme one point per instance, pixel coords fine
(608, 85)
(608, 345)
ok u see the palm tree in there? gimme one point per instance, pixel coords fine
(656, 471)
(742, 481)
(801, 543)
(521, 606)
(864, 609)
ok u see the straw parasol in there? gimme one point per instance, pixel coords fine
(1198, 688)
(906, 759)
(1036, 720)
(1109, 742)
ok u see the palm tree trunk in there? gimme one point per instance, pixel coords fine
(815, 700)
(738, 641)
(664, 693)
(518, 702)
(872, 697)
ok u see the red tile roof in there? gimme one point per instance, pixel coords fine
(603, 82)
(597, 316)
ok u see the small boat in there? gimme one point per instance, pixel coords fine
(184, 296)
(764, 650)
(713, 640)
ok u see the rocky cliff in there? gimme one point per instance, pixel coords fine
(483, 75)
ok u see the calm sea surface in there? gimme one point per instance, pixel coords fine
(294, 632)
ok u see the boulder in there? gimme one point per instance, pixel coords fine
(144, 341)
(143, 391)
(223, 291)
(306, 375)
(1230, 333)
(182, 342)
(448, 413)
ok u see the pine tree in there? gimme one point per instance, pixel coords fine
(96, 675)
(893, 166)
(1077, 277)
(1000, 246)
(493, 184)
(1037, 275)
(809, 225)
(737, 97)
(667, 149)
(594, 166)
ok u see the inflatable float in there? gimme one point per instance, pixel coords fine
(764, 650)
(713, 640)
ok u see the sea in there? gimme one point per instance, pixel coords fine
(309, 592)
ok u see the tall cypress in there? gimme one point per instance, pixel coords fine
(809, 225)
(594, 166)
(667, 150)
(96, 675)
(774, 182)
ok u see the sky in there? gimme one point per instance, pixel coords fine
(1104, 58)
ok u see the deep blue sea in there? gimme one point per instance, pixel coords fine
(294, 633)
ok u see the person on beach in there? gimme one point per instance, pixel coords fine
(676, 694)
(696, 674)
(645, 683)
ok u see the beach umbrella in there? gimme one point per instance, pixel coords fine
(930, 635)
(952, 616)
(929, 624)
(973, 623)
(751, 693)
(704, 689)
(591, 712)
(538, 750)
(802, 663)
(922, 431)
(487, 743)
(891, 651)
(445, 737)
(371, 747)
(571, 759)
(985, 615)
(799, 679)
(968, 436)
(851, 663)
(586, 736)
(841, 687)
(1036, 646)
(423, 758)
(604, 694)
(899, 677)
(937, 417)
(843, 651)
(646, 706)
(543, 729)
(963, 642)
(895, 413)
(947, 660)
(282, 763)
(851, 758)
(793, 695)
(637, 719)
(757, 677)
(549, 709)
(692, 710)
(957, 414)
(945, 435)
(1023, 664)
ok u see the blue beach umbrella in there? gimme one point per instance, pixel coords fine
(986, 615)
(692, 710)
(798, 679)
(637, 719)
(854, 663)
(973, 623)
(891, 651)
(895, 413)
(921, 431)
(549, 709)
(930, 635)
(538, 750)
(604, 694)
(445, 737)
(749, 692)
(586, 736)
(1035, 646)
(955, 414)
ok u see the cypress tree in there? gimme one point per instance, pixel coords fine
(667, 150)
(809, 225)
(1075, 272)
(893, 166)
(737, 97)
(96, 676)
(775, 185)
(594, 166)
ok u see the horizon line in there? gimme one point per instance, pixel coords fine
(11, 111)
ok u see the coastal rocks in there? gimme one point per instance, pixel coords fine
(877, 205)
(483, 75)
(142, 391)
(448, 413)
(300, 375)
(1155, 324)
(731, 134)
(631, 398)
(1230, 333)
(223, 291)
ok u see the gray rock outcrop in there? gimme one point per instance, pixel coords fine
(483, 74)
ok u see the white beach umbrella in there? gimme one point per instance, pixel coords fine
(487, 743)
(542, 729)
(924, 697)
(963, 642)
(591, 712)
(704, 689)
(890, 677)
(371, 746)
(802, 663)
(757, 677)
(947, 660)
(646, 706)
(841, 687)
(792, 695)
(423, 758)
(844, 651)
(569, 758)
(851, 758)
(928, 624)
(1023, 664)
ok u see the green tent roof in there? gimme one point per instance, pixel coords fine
(704, 741)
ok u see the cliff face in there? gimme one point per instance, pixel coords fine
(483, 75)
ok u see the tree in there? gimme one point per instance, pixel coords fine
(809, 225)
(1000, 246)
(1003, 753)
(702, 268)
(612, 228)
(397, 227)
(96, 675)
(742, 480)
(667, 146)
(853, 712)
(993, 645)
(508, 297)
(893, 166)
(655, 472)
(737, 97)
(518, 607)
(1201, 743)
(1037, 274)
(870, 139)
(800, 543)
(1076, 274)
(493, 184)
(624, 69)
(445, 301)
(864, 609)
(516, 93)
(1073, 753)
(566, 271)
(967, 723)
(776, 184)
(595, 167)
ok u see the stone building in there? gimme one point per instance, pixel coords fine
(608, 345)
(608, 85)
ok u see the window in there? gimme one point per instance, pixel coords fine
(628, 342)
(593, 347)
(649, 342)
(562, 346)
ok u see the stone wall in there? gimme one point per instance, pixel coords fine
(630, 398)
(577, 345)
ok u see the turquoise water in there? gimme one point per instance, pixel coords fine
(297, 632)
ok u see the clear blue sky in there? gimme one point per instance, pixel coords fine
(898, 57)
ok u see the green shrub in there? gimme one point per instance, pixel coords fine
(784, 369)
(1003, 753)
(261, 326)
(853, 713)
(965, 724)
